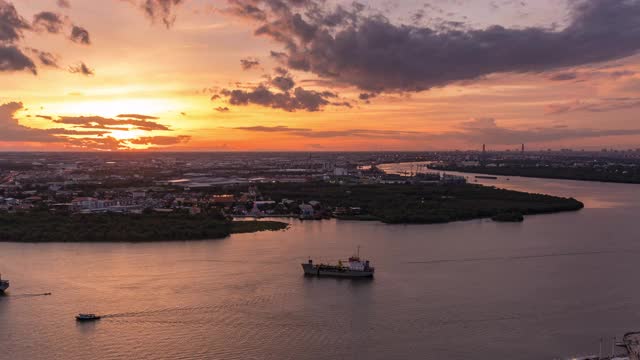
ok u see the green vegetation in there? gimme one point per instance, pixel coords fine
(612, 173)
(243, 227)
(421, 203)
(508, 217)
(46, 227)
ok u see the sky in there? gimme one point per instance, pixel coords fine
(318, 75)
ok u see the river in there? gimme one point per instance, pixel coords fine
(546, 288)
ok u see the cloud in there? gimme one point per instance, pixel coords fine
(80, 35)
(249, 63)
(13, 59)
(485, 130)
(299, 99)
(12, 131)
(222, 109)
(161, 140)
(48, 21)
(158, 10)
(92, 121)
(63, 4)
(11, 23)
(107, 143)
(594, 106)
(474, 131)
(348, 46)
(137, 116)
(279, 128)
(96, 138)
(81, 68)
(309, 133)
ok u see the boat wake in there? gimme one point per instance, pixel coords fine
(517, 257)
(23, 296)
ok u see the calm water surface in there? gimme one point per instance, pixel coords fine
(543, 289)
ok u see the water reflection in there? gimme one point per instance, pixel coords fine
(468, 290)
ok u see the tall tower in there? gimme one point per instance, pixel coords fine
(523, 148)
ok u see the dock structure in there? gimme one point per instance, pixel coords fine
(632, 342)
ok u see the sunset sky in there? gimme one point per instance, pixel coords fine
(313, 75)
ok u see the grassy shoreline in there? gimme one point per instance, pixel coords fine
(562, 173)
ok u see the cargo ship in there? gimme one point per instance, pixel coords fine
(353, 268)
(4, 284)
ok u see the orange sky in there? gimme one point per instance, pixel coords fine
(170, 74)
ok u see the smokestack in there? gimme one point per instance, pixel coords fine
(484, 148)
(523, 148)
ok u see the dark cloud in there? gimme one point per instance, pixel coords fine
(158, 10)
(137, 116)
(80, 35)
(374, 54)
(299, 99)
(249, 63)
(64, 4)
(11, 23)
(564, 76)
(366, 97)
(283, 82)
(222, 109)
(91, 121)
(161, 140)
(81, 68)
(12, 26)
(13, 59)
(48, 21)
(46, 58)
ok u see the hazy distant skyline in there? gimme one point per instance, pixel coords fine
(318, 75)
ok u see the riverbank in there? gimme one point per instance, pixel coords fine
(47, 227)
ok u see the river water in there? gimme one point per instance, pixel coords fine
(546, 288)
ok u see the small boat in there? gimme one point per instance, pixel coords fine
(87, 317)
(4, 284)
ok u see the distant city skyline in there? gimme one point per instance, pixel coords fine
(308, 75)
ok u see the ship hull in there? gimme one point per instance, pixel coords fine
(318, 270)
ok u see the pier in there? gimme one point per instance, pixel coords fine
(630, 343)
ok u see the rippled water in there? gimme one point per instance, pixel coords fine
(543, 289)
